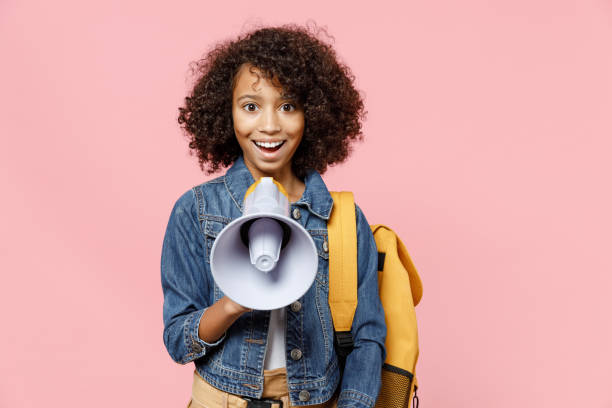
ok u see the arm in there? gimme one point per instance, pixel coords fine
(191, 324)
(361, 379)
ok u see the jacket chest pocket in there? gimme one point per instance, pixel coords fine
(212, 226)
(320, 240)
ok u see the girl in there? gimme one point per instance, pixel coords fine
(274, 102)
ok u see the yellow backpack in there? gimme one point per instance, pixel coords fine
(400, 290)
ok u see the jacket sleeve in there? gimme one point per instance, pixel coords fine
(185, 283)
(362, 373)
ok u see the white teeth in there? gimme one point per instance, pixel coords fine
(269, 145)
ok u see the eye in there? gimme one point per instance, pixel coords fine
(288, 107)
(250, 107)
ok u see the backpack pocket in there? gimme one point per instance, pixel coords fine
(396, 388)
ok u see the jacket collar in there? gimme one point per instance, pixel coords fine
(316, 197)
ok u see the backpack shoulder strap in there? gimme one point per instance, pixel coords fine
(342, 241)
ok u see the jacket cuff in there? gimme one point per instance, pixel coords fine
(196, 347)
(354, 399)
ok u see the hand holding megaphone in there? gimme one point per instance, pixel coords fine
(264, 260)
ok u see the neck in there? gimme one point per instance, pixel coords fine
(292, 184)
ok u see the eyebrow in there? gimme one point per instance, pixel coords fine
(257, 97)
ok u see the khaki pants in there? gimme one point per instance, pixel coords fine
(204, 395)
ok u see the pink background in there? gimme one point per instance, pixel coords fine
(487, 147)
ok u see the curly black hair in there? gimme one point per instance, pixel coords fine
(305, 66)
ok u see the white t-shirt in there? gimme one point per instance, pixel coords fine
(275, 351)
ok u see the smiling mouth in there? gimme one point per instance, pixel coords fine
(269, 147)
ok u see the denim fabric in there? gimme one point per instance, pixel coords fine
(234, 363)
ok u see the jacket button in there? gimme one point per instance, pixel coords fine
(296, 306)
(296, 354)
(196, 347)
(325, 246)
(296, 213)
(304, 395)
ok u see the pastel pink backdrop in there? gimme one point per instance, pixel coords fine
(487, 147)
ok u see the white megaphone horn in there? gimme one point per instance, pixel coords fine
(264, 260)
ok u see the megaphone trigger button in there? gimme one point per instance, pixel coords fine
(296, 213)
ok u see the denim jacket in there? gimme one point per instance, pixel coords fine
(234, 363)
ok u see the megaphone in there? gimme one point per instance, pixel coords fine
(264, 260)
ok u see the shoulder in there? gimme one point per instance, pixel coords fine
(363, 226)
(359, 214)
(214, 200)
(210, 186)
(190, 200)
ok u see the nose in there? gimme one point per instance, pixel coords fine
(269, 122)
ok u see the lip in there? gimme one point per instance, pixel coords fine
(269, 155)
(268, 140)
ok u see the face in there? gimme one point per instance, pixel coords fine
(268, 124)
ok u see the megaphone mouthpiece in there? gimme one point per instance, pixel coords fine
(265, 239)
